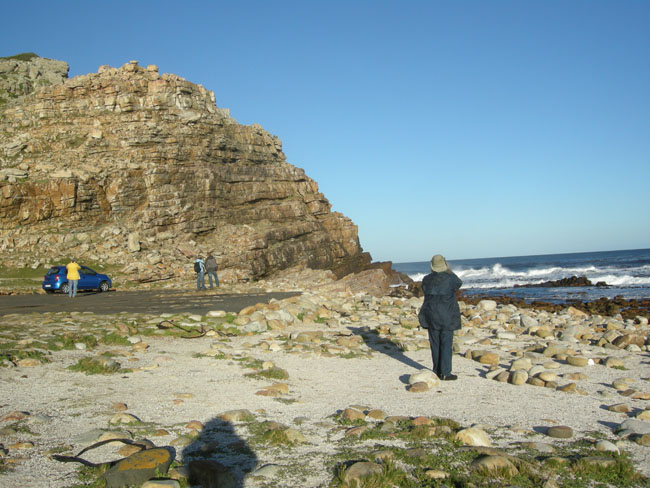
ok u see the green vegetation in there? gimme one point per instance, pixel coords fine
(91, 476)
(271, 373)
(22, 56)
(15, 355)
(94, 366)
(268, 434)
(114, 339)
(390, 476)
(68, 341)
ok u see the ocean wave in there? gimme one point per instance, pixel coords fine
(622, 280)
(499, 276)
(417, 276)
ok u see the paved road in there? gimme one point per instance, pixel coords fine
(152, 302)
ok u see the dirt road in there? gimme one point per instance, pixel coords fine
(153, 302)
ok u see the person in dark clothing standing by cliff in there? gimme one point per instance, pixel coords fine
(440, 314)
(211, 270)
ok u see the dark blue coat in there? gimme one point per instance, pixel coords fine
(440, 308)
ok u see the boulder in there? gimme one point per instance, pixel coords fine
(139, 467)
(473, 436)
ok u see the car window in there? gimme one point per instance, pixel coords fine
(53, 270)
(87, 271)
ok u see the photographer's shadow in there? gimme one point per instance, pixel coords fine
(385, 346)
(218, 458)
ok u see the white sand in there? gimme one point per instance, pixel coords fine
(77, 403)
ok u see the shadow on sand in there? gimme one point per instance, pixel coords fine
(218, 457)
(385, 346)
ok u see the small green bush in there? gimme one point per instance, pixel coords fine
(93, 366)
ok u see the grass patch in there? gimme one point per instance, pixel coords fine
(265, 433)
(22, 56)
(68, 341)
(22, 428)
(274, 373)
(353, 355)
(391, 475)
(621, 473)
(286, 401)
(94, 366)
(91, 476)
(14, 355)
(114, 339)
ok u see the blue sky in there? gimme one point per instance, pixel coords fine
(467, 128)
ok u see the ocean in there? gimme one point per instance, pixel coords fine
(626, 272)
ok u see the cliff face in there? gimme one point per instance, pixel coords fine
(23, 73)
(131, 167)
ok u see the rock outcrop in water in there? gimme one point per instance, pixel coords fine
(132, 167)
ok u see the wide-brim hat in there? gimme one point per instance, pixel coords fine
(439, 264)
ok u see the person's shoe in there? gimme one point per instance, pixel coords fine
(449, 377)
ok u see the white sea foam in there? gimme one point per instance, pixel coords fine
(622, 280)
(417, 276)
(499, 276)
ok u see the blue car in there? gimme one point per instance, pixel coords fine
(55, 279)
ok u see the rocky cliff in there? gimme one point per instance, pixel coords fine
(127, 166)
(23, 73)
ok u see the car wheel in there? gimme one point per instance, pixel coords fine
(65, 288)
(103, 286)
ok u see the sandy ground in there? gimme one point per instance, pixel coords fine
(65, 405)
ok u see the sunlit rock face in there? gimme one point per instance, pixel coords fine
(127, 166)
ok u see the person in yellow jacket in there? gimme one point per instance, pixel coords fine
(73, 277)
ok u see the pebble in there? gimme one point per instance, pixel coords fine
(518, 377)
(428, 377)
(606, 446)
(494, 464)
(579, 361)
(123, 418)
(418, 387)
(268, 471)
(473, 437)
(362, 469)
(619, 408)
(560, 432)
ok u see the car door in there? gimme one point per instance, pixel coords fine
(88, 279)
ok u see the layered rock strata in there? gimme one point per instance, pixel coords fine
(128, 166)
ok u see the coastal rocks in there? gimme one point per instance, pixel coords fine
(356, 334)
(138, 468)
(581, 281)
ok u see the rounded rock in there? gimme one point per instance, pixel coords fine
(473, 437)
(560, 432)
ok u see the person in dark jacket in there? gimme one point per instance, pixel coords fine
(440, 314)
(211, 269)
